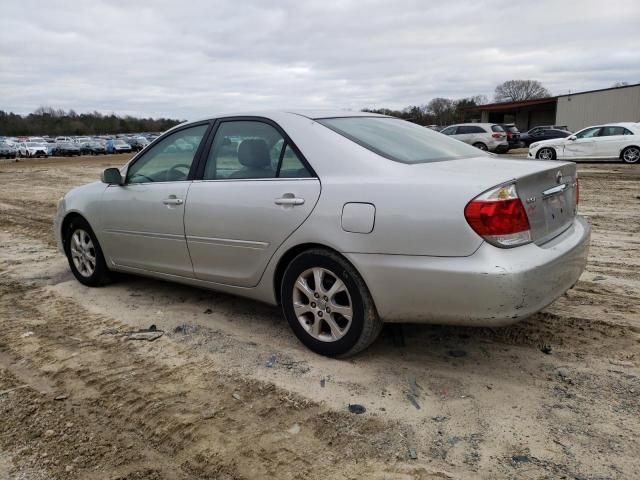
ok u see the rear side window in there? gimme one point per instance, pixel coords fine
(611, 131)
(497, 128)
(251, 150)
(399, 140)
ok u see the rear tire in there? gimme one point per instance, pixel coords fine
(546, 153)
(630, 155)
(336, 316)
(85, 255)
(481, 146)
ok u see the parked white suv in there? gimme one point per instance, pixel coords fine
(485, 136)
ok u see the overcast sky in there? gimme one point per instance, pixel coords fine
(191, 58)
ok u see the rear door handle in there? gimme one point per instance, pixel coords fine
(289, 201)
(172, 200)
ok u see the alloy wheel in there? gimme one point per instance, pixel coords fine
(83, 252)
(545, 154)
(322, 304)
(631, 155)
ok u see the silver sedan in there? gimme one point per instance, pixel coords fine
(347, 220)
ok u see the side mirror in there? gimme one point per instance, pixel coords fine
(112, 176)
(571, 137)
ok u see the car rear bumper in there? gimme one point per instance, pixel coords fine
(499, 147)
(492, 287)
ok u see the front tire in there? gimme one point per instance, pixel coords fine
(546, 153)
(328, 305)
(85, 255)
(631, 155)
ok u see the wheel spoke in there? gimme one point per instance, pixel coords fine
(302, 286)
(337, 287)
(346, 312)
(90, 256)
(315, 327)
(301, 309)
(336, 332)
(318, 275)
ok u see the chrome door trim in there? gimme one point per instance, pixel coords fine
(165, 236)
(229, 242)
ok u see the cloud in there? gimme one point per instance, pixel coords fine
(194, 58)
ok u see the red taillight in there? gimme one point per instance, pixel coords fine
(499, 217)
(509, 135)
(496, 135)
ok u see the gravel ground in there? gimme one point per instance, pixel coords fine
(227, 392)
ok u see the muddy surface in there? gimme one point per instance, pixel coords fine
(227, 392)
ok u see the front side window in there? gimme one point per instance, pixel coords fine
(399, 140)
(244, 149)
(170, 159)
(449, 131)
(588, 132)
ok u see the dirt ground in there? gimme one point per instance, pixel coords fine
(229, 393)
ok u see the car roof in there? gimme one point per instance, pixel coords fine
(316, 114)
(632, 125)
(475, 124)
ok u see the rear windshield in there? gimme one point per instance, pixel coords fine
(497, 128)
(399, 140)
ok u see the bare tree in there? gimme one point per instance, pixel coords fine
(517, 90)
(620, 84)
(442, 109)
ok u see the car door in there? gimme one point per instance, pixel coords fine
(611, 141)
(582, 144)
(143, 220)
(255, 189)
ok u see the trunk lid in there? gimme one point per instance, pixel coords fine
(549, 198)
(549, 213)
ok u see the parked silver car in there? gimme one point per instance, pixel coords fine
(347, 220)
(485, 136)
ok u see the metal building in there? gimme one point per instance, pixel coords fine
(574, 110)
(579, 110)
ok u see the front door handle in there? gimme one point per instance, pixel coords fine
(289, 201)
(172, 200)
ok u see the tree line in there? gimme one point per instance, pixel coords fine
(54, 122)
(439, 111)
(446, 111)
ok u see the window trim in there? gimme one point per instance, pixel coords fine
(202, 160)
(166, 134)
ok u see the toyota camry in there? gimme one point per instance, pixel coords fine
(347, 220)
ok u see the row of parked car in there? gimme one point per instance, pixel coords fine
(555, 142)
(501, 137)
(12, 147)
